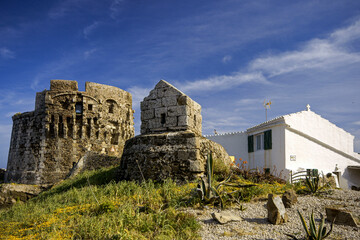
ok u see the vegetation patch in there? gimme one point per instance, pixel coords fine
(93, 206)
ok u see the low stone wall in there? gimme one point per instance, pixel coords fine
(12, 193)
(93, 161)
(177, 155)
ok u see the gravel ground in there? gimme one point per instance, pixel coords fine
(256, 226)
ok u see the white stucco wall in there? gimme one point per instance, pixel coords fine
(273, 158)
(235, 144)
(310, 154)
(314, 125)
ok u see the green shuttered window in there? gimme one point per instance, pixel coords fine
(251, 143)
(267, 140)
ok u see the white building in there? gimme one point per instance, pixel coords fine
(297, 141)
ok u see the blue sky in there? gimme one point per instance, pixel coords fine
(229, 56)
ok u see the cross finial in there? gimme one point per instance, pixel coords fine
(308, 107)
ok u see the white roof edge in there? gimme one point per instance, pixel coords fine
(224, 134)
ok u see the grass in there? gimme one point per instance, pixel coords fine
(95, 206)
(103, 209)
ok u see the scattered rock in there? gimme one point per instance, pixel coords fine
(12, 193)
(225, 217)
(289, 198)
(341, 216)
(276, 210)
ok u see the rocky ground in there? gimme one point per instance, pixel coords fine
(254, 224)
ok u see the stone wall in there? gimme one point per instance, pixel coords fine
(48, 142)
(177, 155)
(2, 175)
(168, 109)
(93, 161)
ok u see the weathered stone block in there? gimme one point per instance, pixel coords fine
(176, 111)
(63, 85)
(183, 121)
(289, 198)
(168, 101)
(196, 166)
(341, 216)
(159, 111)
(276, 210)
(147, 114)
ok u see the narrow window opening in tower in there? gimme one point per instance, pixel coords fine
(105, 136)
(79, 108)
(79, 126)
(111, 108)
(69, 123)
(195, 120)
(97, 134)
(163, 118)
(115, 139)
(90, 107)
(52, 128)
(88, 128)
(61, 127)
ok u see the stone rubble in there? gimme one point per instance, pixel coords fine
(255, 224)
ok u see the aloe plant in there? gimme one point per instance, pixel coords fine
(312, 233)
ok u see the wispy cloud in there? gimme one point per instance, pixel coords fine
(324, 54)
(88, 53)
(138, 94)
(223, 82)
(65, 7)
(226, 59)
(6, 53)
(90, 29)
(356, 123)
(327, 53)
(116, 8)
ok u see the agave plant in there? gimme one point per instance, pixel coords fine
(312, 233)
(312, 183)
(208, 192)
(205, 188)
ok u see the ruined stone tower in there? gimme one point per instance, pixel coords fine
(47, 142)
(170, 144)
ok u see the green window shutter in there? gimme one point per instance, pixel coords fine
(251, 143)
(267, 140)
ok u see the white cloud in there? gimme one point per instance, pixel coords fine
(138, 94)
(226, 59)
(326, 53)
(6, 53)
(356, 123)
(90, 29)
(223, 82)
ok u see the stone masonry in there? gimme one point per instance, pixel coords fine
(167, 109)
(170, 144)
(47, 142)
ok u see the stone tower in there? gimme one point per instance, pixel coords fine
(167, 109)
(170, 144)
(47, 142)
